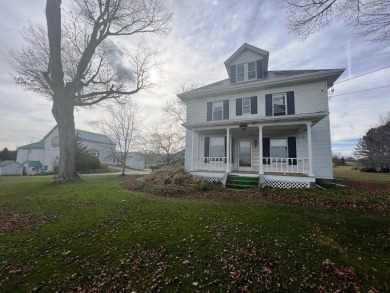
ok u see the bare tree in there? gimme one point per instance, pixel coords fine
(166, 143)
(123, 128)
(174, 109)
(75, 63)
(373, 149)
(371, 17)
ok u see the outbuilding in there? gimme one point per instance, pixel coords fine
(10, 167)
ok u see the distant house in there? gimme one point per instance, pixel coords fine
(273, 125)
(47, 152)
(10, 167)
(134, 160)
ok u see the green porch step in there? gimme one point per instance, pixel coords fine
(242, 182)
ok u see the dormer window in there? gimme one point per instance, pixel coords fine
(247, 71)
(251, 70)
(240, 72)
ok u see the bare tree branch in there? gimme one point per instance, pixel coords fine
(371, 17)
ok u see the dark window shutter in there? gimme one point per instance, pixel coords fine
(225, 109)
(268, 105)
(206, 149)
(239, 107)
(209, 111)
(259, 69)
(290, 103)
(266, 150)
(233, 74)
(292, 149)
(225, 149)
(253, 105)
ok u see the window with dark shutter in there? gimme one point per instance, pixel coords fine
(206, 149)
(266, 150)
(209, 111)
(233, 74)
(226, 110)
(253, 105)
(259, 69)
(290, 103)
(239, 106)
(268, 105)
(292, 149)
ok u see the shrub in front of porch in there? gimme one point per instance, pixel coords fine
(171, 181)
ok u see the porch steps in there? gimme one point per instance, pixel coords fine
(242, 182)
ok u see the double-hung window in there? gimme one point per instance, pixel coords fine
(278, 148)
(217, 110)
(279, 104)
(217, 148)
(251, 70)
(246, 105)
(240, 73)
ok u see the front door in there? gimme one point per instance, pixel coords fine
(244, 155)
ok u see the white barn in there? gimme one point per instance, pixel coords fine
(47, 152)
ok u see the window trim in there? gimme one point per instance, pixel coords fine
(212, 110)
(285, 104)
(270, 147)
(254, 70)
(223, 141)
(250, 106)
(243, 80)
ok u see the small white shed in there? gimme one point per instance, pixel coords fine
(9, 167)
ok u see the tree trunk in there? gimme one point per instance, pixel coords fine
(63, 113)
(124, 163)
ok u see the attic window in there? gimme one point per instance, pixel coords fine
(251, 70)
(240, 74)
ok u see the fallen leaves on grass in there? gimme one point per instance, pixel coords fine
(358, 196)
(11, 220)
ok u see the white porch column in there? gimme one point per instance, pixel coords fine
(192, 150)
(228, 155)
(261, 172)
(309, 142)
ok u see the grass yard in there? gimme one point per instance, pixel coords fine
(95, 236)
(346, 173)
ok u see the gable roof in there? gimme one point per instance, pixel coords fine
(84, 135)
(264, 54)
(8, 162)
(35, 164)
(92, 136)
(35, 145)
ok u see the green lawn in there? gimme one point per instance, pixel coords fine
(346, 173)
(94, 235)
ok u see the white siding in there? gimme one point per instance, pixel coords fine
(246, 56)
(11, 169)
(322, 151)
(309, 98)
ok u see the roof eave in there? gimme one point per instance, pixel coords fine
(331, 77)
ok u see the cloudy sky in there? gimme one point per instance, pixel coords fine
(204, 34)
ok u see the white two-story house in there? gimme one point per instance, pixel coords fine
(271, 124)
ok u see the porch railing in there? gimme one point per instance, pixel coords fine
(210, 163)
(286, 165)
(270, 164)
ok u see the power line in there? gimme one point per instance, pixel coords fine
(362, 74)
(365, 90)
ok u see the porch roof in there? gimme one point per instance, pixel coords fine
(254, 121)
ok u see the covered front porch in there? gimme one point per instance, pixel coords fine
(277, 148)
